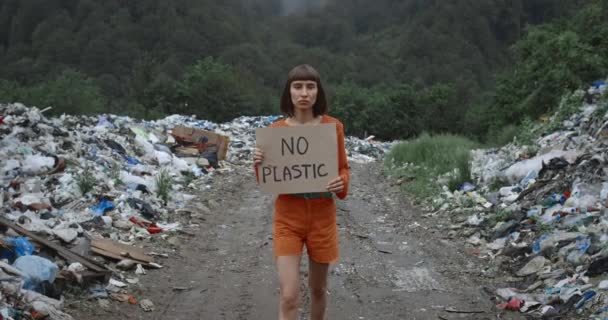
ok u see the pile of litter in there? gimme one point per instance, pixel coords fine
(81, 195)
(539, 213)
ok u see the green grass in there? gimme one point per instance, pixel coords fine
(500, 216)
(528, 130)
(601, 109)
(85, 180)
(546, 229)
(503, 135)
(569, 105)
(164, 184)
(523, 134)
(189, 177)
(427, 158)
(114, 173)
(496, 183)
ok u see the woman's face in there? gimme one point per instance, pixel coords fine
(303, 94)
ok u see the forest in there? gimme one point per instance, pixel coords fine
(394, 69)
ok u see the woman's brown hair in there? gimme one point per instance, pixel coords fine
(301, 73)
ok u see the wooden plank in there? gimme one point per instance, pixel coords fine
(116, 256)
(88, 277)
(62, 251)
(123, 251)
(5, 244)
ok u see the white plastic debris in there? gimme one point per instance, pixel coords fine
(117, 283)
(66, 235)
(36, 164)
(76, 267)
(533, 266)
(519, 170)
(474, 220)
(10, 165)
(140, 269)
(147, 305)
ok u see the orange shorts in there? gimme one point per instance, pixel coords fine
(299, 221)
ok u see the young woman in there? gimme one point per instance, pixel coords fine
(306, 219)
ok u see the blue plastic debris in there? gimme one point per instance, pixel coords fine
(586, 297)
(536, 245)
(37, 270)
(528, 179)
(467, 187)
(598, 84)
(131, 160)
(21, 247)
(103, 207)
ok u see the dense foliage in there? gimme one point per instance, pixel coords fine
(394, 68)
(552, 60)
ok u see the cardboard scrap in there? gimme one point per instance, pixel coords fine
(193, 135)
(119, 251)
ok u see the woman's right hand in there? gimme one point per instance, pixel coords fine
(258, 156)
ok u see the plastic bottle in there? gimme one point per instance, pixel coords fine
(586, 297)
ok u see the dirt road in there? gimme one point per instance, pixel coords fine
(393, 265)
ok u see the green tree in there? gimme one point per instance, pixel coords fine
(440, 111)
(215, 91)
(536, 85)
(71, 92)
(9, 91)
(348, 103)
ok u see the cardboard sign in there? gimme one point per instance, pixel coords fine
(297, 159)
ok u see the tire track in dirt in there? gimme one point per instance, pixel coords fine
(391, 266)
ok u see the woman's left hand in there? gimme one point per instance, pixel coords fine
(336, 185)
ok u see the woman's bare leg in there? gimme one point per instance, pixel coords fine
(317, 281)
(288, 268)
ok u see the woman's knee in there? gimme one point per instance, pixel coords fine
(290, 298)
(318, 291)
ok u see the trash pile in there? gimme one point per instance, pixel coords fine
(539, 213)
(81, 193)
(367, 150)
